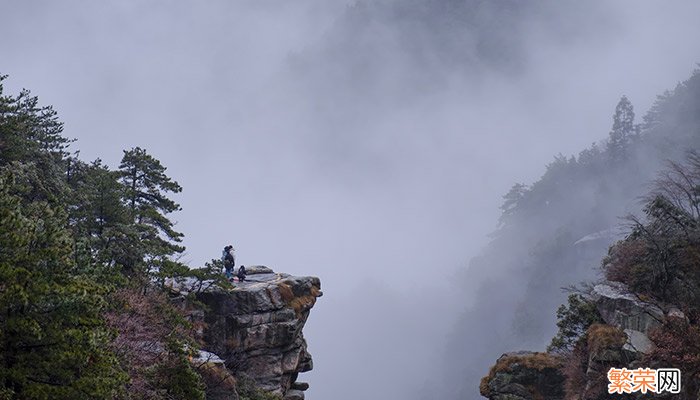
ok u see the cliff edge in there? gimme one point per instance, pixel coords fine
(255, 329)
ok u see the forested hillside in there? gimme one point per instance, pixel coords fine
(643, 313)
(84, 253)
(657, 265)
(554, 232)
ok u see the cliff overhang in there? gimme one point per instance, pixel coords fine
(256, 326)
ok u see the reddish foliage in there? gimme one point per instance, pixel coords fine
(144, 322)
(574, 370)
(622, 260)
(678, 346)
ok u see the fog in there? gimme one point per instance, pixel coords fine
(365, 143)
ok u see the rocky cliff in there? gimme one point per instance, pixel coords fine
(255, 329)
(620, 340)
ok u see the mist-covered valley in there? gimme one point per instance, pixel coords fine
(371, 144)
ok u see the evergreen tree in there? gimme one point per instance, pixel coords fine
(99, 218)
(623, 130)
(511, 202)
(68, 231)
(30, 134)
(146, 188)
(52, 334)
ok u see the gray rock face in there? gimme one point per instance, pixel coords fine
(621, 341)
(620, 308)
(257, 327)
(637, 342)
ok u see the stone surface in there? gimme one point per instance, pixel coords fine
(604, 350)
(294, 395)
(620, 308)
(622, 341)
(524, 376)
(258, 269)
(256, 327)
(207, 357)
(300, 386)
(637, 342)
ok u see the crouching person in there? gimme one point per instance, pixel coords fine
(241, 273)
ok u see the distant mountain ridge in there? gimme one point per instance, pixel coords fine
(534, 254)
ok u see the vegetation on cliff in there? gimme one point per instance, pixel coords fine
(658, 262)
(655, 264)
(81, 246)
(552, 232)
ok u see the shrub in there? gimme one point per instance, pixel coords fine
(573, 321)
(531, 370)
(678, 346)
(151, 343)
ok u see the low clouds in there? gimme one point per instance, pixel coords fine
(368, 144)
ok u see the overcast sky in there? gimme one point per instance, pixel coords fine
(319, 145)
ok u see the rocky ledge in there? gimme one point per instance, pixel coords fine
(620, 341)
(256, 327)
(524, 375)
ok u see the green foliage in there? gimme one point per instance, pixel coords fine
(658, 261)
(210, 275)
(623, 132)
(99, 219)
(53, 337)
(573, 319)
(659, 258)
(511, 200)
(175, 376)
(584, 197)
(77, 244)
(31, 135)
(146, 188)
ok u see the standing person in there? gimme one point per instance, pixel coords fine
(229, 261)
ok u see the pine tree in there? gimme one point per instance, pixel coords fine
(623, 130)
(68, 232)
(146, 189)
(31, 135)
(98, 217)
(511, 203)
(52, 334)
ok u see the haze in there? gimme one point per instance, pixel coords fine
(365, 143)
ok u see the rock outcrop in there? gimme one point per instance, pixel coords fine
(622, 309)
(524, 375)
(621, 341)
(256, 327)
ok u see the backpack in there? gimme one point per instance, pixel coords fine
(228, 259)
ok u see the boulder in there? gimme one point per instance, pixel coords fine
(258, 269)
(207, 357)
(605, 349)
(618, 307)
(525, 375)
(300, 386)
(294, 395)
(637, 342)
